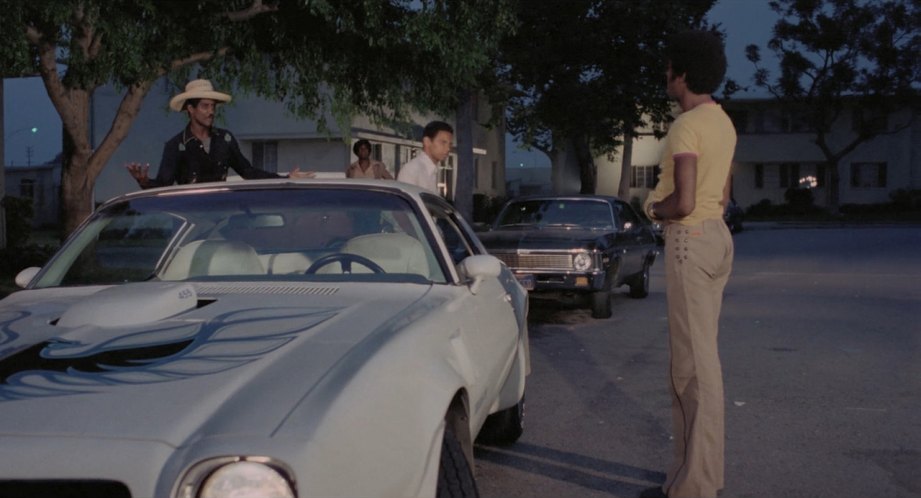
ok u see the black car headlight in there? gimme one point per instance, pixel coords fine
(582, 261)
(228, 477)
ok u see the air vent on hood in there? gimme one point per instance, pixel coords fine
(264, 288)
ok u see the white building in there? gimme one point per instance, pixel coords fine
(275, 140)
(775, 152)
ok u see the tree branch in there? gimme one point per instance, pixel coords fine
(128, 110)
(193, 58)
(256, 8)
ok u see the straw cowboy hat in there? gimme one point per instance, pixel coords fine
(197, 89)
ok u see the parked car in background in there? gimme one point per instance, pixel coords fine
(334, 338)
(577, 248)
(733, 216)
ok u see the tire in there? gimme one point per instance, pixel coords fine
(601, 304)
(455, 477)
(503, 427)
(639, 284)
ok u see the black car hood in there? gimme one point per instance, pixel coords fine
(544, 239)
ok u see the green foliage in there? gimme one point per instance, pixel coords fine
(841, 54)
(486, 208)
(906, 199)
(801, 198)
(19, 213)
(322, 58)
(588, 70)
(19, 252)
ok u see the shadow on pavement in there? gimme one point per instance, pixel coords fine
(588, 472)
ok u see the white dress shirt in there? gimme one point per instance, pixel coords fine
(421, 171)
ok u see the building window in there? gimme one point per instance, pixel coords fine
(644, 176)
(789, 175)
(27, 188)
(759, 176)
(265, 155)
(868, 175)
(869, 120)
(377, 152)
(794, 121)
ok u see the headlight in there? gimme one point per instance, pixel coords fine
(235, 478)
(582, 261)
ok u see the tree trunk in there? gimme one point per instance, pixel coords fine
(81, 163)
(76, 186)
(587, 171)
(832, 187)
(626, 166)
(466, 165)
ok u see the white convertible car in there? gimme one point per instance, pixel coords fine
(270, 338)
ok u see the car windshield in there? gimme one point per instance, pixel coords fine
(259, 234)
(557, 213)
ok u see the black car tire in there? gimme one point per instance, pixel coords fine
(639, 284)
(503, 427)
(455, 477)
(601, 304)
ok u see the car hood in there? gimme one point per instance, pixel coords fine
(544, 239)
(171, 362)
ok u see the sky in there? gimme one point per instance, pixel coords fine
(26, 104)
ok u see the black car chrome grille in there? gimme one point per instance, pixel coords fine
(536, 261)
(64, 489)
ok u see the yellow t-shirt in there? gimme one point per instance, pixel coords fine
(706, 132)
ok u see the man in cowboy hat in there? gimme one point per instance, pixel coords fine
(201, 152)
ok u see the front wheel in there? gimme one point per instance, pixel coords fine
(455, 478)
(601, 304)
(503, 427)
(639, 286)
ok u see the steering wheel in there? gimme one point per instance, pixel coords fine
(345, 260)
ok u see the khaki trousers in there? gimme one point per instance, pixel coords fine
(698, 260)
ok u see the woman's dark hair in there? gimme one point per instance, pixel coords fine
(700, 57)
(358, 145)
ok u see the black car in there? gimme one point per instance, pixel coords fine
(733, 216)
(574, 248)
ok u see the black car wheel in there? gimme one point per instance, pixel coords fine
(455, 478)
(639, 285)
(503, 427)
(601, 304)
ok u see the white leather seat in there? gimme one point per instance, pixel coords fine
(394, 252)
(214, 258)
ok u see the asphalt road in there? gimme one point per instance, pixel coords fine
(820, 341)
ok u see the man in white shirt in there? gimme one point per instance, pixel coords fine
(422, 170)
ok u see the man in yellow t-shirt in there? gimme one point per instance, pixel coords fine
(689, 199)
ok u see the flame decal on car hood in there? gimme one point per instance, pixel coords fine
(67, 365)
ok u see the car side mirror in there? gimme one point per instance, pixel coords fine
(477, 268)
(25, 276)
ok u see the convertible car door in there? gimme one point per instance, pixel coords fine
(489, 331)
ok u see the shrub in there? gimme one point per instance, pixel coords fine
(486, 208)
(19, 213)
(15, 259)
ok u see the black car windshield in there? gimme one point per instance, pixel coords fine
(258, 234)
(557, 213)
